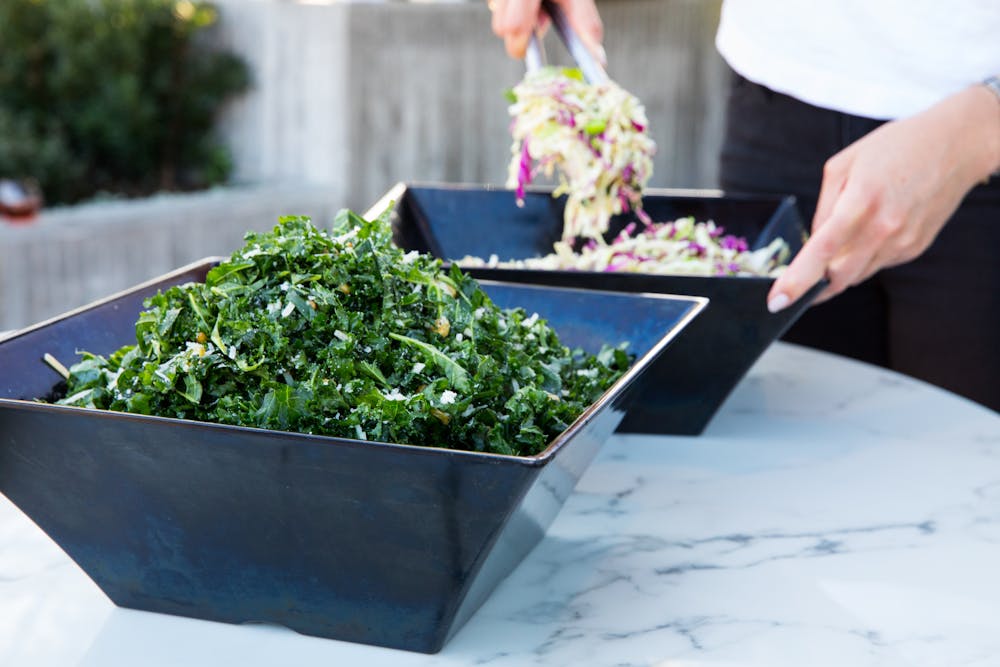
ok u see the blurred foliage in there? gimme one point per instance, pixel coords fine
(116, 96)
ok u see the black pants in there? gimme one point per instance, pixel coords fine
(936, 318)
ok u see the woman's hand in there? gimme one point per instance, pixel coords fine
(514, 21)
(885, 197)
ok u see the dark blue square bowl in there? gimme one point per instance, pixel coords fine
(378, 543)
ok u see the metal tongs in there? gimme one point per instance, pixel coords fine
(534, 57)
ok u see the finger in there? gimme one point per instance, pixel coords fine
(880, 260)
(812, 262)
(851, 267)
(514, 21)
(586, 21)
(834, 180)
(873, 267)
(517, 45)
(496, 8)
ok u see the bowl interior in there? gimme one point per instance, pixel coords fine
(454, 221)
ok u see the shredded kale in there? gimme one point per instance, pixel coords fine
(341, 333)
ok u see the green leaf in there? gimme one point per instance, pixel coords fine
(216, 337)
(167, 321)
(226, 271)
(375, 373)
(196, 306)
(192, 389)
(457, 375)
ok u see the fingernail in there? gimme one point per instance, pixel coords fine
(777, 302)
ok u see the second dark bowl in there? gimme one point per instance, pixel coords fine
(689, 382)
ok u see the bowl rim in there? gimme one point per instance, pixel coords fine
(398, 189)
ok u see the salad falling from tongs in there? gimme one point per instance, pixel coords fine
(583, 126)
(593, 136)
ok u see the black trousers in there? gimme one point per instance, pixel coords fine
(936, 318)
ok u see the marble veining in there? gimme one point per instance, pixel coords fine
(832, 514)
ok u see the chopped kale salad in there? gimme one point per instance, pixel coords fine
(682, 248)
(341, 333)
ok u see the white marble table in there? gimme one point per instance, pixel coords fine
(833, 514)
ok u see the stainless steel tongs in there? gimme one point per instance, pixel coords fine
(534, 57)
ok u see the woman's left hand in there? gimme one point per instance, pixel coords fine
(885, 197)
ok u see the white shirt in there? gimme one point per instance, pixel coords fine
(876, 58)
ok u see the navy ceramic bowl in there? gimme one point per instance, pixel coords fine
(687, 385)
(377, 543)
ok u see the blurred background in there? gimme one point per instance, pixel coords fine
(158, 131)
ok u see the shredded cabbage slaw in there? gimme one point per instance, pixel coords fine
(681, 247)
(594, 137)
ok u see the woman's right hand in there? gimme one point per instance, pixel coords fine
(514, 21)
(885, 198)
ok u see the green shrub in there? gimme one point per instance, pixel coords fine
(112, 96)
